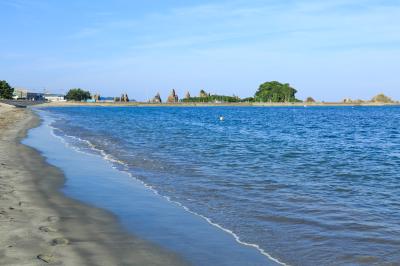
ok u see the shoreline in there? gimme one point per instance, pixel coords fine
(142, 104)
(154, 207)
(39, 224)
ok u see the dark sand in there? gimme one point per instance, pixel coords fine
(40, 226)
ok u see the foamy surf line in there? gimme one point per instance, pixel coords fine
(111, 161)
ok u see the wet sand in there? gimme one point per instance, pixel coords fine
(40, 226)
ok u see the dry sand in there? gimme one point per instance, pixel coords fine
(40, 226)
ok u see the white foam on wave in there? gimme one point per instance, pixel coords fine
(235, 236)
(101, 152)
(112, 161)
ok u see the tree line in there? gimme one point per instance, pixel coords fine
(6, 91)
(212, 98)
(272, 91)
(267, 92)
(77, 94)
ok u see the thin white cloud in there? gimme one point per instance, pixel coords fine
(230, 44)
(255, 21)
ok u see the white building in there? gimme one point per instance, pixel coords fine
(24, 94)
(54, 97)
(20, 93)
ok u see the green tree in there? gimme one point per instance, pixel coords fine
(275, 91)
(248, 99)
(6, 91)
(77, 95)
(211, 98)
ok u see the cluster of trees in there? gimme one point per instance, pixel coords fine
(77, 95)
(6, 91)
(212, 98)
(272, 91)
(205, 97)
(275, 91)
(247, 100)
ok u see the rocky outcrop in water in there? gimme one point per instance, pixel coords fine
(156, 99)
(381, 98)
(173, 97)
(124, 98)
(203, 94)
(187, 96)
(310, 100)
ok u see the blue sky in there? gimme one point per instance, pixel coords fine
(326, 49)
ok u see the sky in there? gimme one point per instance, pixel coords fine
(330, 50)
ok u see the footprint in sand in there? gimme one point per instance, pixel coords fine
(53, 218)
(45, 258)
(47, 229)
(59, 241)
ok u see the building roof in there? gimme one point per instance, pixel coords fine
(53, 95)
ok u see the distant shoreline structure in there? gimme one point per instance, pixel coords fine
(271, 93)
(242, 104)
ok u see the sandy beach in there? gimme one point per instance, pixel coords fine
(40, 226)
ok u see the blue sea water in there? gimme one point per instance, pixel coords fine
(301, 186)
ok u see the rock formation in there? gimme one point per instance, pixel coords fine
(310, 100)
(173, 97)
(347, 100)
(124, 98)
(382, 98)
(203, 94)
(157, 99)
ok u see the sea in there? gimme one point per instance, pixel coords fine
(263, 186)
